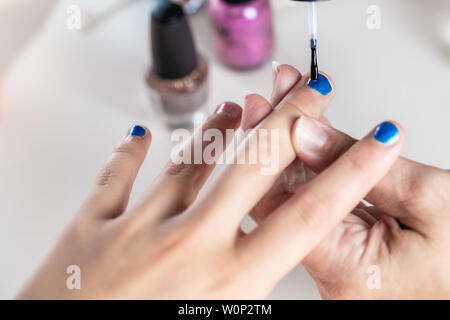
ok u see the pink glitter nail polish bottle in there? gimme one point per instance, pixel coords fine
(244, 31)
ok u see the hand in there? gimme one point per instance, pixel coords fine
(174, 246)
(395, 249)
(404, 236)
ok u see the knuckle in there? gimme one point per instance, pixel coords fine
(124, 150)
(180, 169)
(188, 180)
(184, 202)
(226, 282)
(238, 271)
(295, 108)
(357, 167)
(262, 152)
(303, 103)
(421, 187)
(186, 239)
(310, 212)
(81, 231)
(108, 174)
(105, 176)
(428, 189)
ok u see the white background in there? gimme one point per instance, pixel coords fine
(68, 97)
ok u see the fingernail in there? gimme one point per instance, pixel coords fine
(387, 133)
(137, 131)
(322, 85)
(275, 67)
(247, 93)
(311, 136)
(229, 109)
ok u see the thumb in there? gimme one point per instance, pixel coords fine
(319, 145)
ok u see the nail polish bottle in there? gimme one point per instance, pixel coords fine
(178, 76)
(244, 32)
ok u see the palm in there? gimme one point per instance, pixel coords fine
(339, 254)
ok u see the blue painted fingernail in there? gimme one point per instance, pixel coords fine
(387, 133)
(137, 131)
(322, 85)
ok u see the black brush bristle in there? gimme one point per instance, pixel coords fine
(314, 66)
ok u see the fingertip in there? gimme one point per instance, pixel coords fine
(309, 97)
(139, 133)
(285, 79)
(275, 68)
(251, 98)
(289, 72)
(400, 129)
(329, 78)
(389, 133)
(230, 110)
(256, 108)
(248, 93)
(324, 85)
(254, 99)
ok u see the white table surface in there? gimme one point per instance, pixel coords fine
(69, 96)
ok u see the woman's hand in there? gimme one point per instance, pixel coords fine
(170, 246)
(397, 248)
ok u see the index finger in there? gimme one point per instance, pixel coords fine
(225, 197)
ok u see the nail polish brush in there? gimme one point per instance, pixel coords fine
(312, 23)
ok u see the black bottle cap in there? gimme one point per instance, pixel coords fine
(173, 49)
